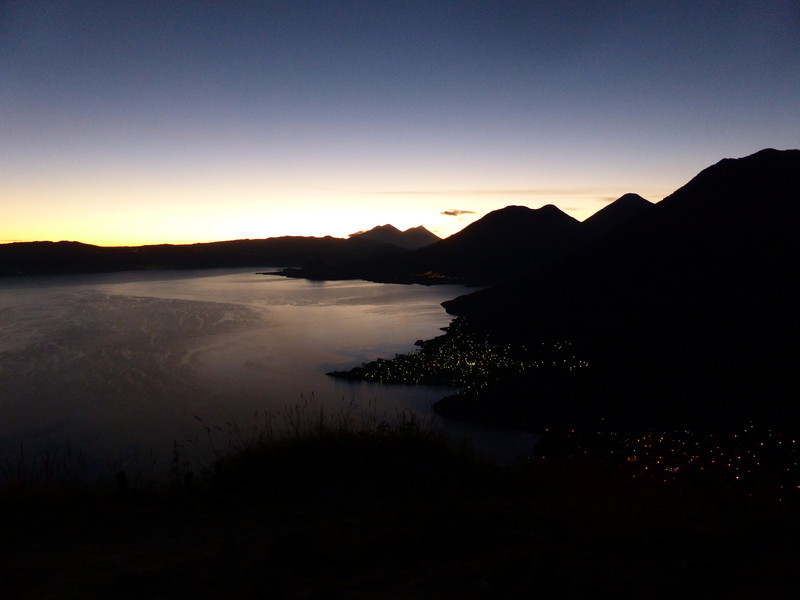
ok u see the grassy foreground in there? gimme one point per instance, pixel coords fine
(332, 508)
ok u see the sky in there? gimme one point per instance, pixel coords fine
(166, 121)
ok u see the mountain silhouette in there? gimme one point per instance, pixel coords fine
(612, 216)
(410, 239)
(504, 244)
(689, 308)
(25, 258)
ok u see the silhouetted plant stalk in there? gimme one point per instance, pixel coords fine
(54, 468)
(309, 419)
(192, 460)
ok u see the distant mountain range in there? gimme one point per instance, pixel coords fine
(26, 258)
(504, 244)
(21, 258)
(410, 239)
(688, 309)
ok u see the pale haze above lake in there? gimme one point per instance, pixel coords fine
(120, 366)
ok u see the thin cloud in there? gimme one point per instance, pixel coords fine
(455, 212)
(488, 192)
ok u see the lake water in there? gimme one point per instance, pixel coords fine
(119, 367)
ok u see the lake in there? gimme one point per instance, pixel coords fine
(120, 366)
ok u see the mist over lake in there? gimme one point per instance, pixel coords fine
(118, 366)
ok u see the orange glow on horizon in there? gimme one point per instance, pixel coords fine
(108, 213)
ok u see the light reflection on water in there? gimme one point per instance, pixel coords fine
(121, 365)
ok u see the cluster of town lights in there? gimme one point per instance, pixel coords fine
(467, 361)
(757, 460)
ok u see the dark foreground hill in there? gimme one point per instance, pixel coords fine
(394, 512)
(686, 312)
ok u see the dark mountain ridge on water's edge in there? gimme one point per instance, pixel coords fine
(513, 240)
(410, 239)
(504, 244)
(688, 310)
(45, 258)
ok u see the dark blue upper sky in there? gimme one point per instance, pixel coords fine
(133, 122)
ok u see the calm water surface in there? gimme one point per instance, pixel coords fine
(119, 366)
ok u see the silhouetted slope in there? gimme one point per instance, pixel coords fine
(612, 216)
(21, 258)
(501, 245)
(72, 257)
(410, 239)
(692, 304)
(419, 237)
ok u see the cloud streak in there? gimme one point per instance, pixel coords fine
(496, 192)
(455, 212)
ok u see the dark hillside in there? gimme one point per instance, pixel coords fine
(25, 258)
(394, 512)
(612, 216)
(689, 308)
(500, 246)
(503, 245)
